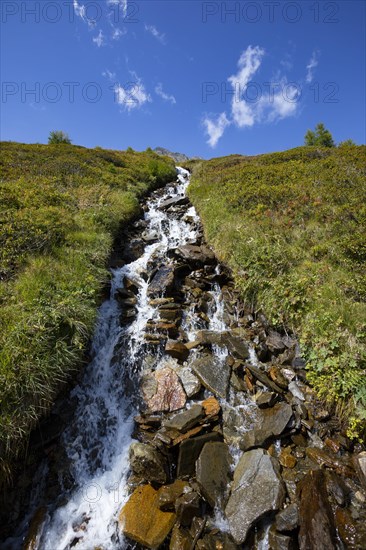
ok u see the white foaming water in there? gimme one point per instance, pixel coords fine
(98, 439)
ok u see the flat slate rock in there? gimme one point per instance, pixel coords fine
(163, 391)
(196, 254)
(189, 451)
(257, 490)
(213, 472)
(213, 373)
(141, 519)
(268, 423)
(186, 419)
(162, 281)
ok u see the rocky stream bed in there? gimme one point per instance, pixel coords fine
(193, 425)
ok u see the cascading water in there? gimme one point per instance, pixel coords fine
(98, 439)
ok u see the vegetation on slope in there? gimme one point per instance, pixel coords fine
(61, 206)
(291, 225)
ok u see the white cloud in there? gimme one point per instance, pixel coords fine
(117, 33)
(277, 100)
(310, 67)
(280, 102)
(215, 128)
(99, 40)
(156, 34)
(133, 95)
(249, 63)
(122, 3)
(160, 92)
(79, 10)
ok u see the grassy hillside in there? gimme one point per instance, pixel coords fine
(292, 227)
(61, 206)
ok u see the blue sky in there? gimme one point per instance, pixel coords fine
(204, 78)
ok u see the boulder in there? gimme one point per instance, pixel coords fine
(168, 494)
(213, 374)
(278, 541)
(142, 521)
(177, 350)
(269, 423)
(187, 506)
(211, 407)
(275, 343)
(287, 519)
(190, 382)
(162, 390)
(317, 528)
(185, 420)
(148, 463)
(257, 490)
(181, 539)
(213, 472)
(176, 201)
(189, 451)
(196, 255)
(162, 281)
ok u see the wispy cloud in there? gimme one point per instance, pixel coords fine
(278, 100)
(99, 40)
(117, 33)
(248, 64)
(79, 10)
(133, 95)
(108, 74)
(215, 128)
(160, 92)
(122, 3)
(311, 66)
(155, 33)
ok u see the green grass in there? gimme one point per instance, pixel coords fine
(291, 225)
(61, 207)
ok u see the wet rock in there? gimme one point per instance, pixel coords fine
(177, 350)
(287, 460)
(148, 463)
(262, 377)
(269, 423)
(265, 399)
(257, 490)
(295, 390)
(211, 406)
(162, 390)
(189, 451)
(142, 521)
(131, 285)
(277, 541)
(340, 465)
(190, 382)
(236, 346)
(360, 464)
(185, 420)
(278, 378)
(162, 281)
(213, 472)
(35, 529)
(317, 529)
(180, 539)
(216, 541)
(187, 506)
(275, 342)
(176, 201)
(196, 255)
(213, 374)
(347, 529)
(168, 494)
(287, 519)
